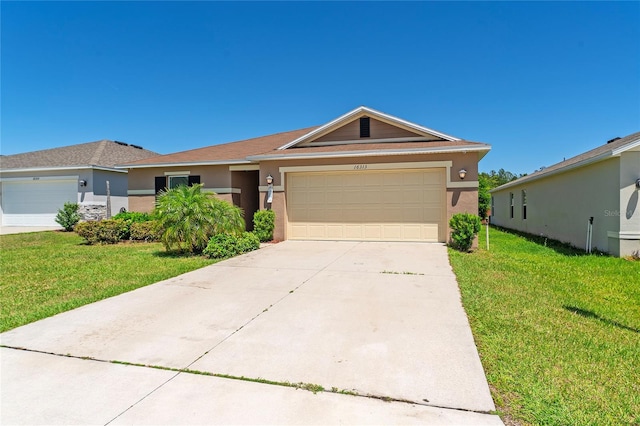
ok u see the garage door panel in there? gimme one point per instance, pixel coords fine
(401, 205)
(35, 202)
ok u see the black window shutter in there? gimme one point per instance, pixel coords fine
(194, 180)
(365, 128)
(161, 183)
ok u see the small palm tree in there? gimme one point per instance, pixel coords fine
(190, 217)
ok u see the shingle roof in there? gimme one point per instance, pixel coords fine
(233, 151)
(104, 153)
(604, 151)
(268, 146)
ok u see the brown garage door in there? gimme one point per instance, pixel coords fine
(393, 205)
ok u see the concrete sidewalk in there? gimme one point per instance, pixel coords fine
(382, 320)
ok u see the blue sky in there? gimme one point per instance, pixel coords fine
(538, 81)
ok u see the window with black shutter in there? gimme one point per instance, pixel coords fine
(194, 179)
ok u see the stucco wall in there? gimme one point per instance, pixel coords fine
(97, 187)
(629, 210)
(95, 190)
(210, 176)
(459, 200)
(559, 206)
(143, 180)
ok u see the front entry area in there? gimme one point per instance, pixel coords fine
(367, 205)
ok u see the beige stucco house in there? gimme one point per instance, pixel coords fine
(35, 185)
(366, 175)
(559, 201)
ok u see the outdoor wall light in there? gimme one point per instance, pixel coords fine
(269, 189)
(462, 173)
(638, 183)
(82, 182)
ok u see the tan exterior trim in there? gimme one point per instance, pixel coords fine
(187, 173)
(141, 192)
(369, 153)
(243, 168)
(375, 166)
(216, 190)
(223, 190)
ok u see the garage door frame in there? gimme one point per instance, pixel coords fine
(362, 166)
(26, 218)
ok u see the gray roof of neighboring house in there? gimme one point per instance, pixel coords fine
(600, 153)
(104, 153)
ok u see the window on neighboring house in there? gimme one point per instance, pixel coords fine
(492, 206)
(365, 127)
(524, 204)
(511, 204)
(169, 182)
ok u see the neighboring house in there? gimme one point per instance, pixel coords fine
(364, 176)
(560, 200)
(34, 185)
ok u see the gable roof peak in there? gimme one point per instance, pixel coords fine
(369, 112)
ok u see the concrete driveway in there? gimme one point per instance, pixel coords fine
(382, 321)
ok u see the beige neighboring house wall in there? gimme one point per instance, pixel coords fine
(561, 200)
(364, 176)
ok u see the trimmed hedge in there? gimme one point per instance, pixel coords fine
(223, 246)
(263, 224)
(464, 228)
(109, 231)
(145, 231)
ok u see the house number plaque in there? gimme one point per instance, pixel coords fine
(360, 167)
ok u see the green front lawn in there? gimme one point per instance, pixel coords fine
(44, 273)
(558, 331)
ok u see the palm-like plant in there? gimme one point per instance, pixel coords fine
(190, 217)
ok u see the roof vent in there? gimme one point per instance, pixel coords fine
(135, 146)
(613, 140)
(121, 143)
(365, 127)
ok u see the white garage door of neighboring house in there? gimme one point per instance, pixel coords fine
(393, 205)
(35, 201)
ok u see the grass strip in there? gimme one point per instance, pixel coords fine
(45, 273)
(558, 331)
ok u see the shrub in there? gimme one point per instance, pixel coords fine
(190, 217)
(464, 228)
(223, 246)
(68, 216)
(108, 231)
(263, 224)
(145, 231)
(133, 217)
(247, 242)
(130, 218)
(88, 231)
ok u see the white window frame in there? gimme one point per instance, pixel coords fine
(171, 177)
